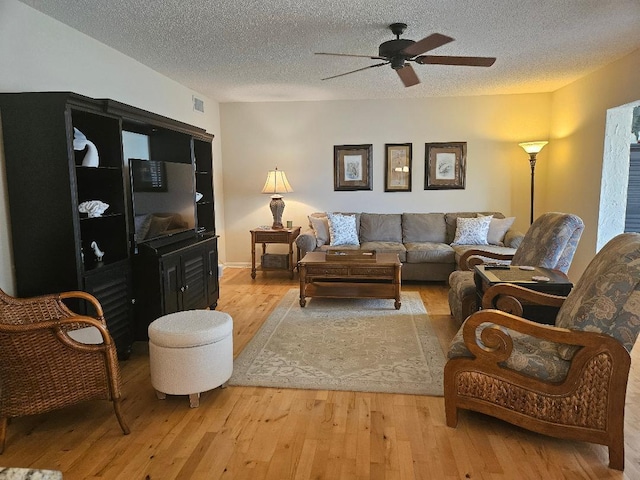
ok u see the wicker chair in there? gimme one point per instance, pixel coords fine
(550, 242)
(43, 368)
(567, 380)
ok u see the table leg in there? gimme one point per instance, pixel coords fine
(397, 282)
(253, 258)
(302, 271)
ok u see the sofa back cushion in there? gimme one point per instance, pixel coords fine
(380, 227)
(423, 227)
(451, 219)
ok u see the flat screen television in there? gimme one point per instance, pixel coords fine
(163, 197)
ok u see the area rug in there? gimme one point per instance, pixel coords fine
(345, 344)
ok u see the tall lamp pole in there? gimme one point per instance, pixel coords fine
(532, 148)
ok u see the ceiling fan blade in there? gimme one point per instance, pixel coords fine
(358, 70)
(408, 76)
(375, 57)
(449, 60)
(434, 40)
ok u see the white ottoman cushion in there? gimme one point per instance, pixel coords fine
(190, 328)
(190, 352)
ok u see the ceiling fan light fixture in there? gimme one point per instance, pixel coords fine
(397, 62)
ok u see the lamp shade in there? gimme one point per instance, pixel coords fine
(533, 147)
(277, 183)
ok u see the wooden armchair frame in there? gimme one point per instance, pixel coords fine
(473, 257)
(588, 405)
(37, 329)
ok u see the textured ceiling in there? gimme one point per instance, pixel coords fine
(250, 50)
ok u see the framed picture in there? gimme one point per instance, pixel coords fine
(397, 172)
(352, 167)
(445, 165)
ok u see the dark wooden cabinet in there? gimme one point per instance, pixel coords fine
(174, 278)
(54, 242)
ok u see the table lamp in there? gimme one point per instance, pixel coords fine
(276, 184)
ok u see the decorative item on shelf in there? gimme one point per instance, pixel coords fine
(80, 141)
(96, 251)
(532, 148)
(93, 208)
(198, 196)
(276, 184)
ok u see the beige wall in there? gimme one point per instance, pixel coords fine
(38, 53)
(571, 178)
(298, 137)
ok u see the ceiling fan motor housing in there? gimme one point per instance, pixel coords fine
(392, 48)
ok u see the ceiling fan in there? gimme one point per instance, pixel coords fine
(400, 51)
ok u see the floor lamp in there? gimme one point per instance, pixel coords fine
(532, 148)
(276, 184)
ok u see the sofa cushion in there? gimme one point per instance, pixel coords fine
(451, 221)
(424, 227)
(386, 247)
(472, 231)
(320, 227)
(342, 229)
(380, 227)
(429, 252)
(497, 229)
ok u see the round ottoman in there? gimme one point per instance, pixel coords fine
(190, 352)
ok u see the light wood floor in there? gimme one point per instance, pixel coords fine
(266, 433)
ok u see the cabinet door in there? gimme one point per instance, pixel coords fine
(194, 276)
(171, 284)
(113, 289)
(211, 251)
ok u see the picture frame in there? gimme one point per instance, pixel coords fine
(445, 165)
(352, 167)
(397, 171)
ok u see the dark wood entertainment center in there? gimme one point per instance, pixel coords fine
(136, 281)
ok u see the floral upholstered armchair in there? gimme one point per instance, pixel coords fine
(567, 380)
(550, 242)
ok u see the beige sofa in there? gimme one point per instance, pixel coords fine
(423, 241)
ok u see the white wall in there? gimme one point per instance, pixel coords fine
(574, 171)
(298, 137)
(38, 53)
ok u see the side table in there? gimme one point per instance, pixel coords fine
(270, 235)
(558, 284)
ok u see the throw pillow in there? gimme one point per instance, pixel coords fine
(472, 231)
(342, 229)
(497, 229)
(320, 227)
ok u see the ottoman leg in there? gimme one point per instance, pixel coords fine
(161, 395)
(194, 400)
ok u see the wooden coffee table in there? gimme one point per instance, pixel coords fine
(352, 277)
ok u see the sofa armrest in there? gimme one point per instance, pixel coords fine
(513, 238)
(306, 241)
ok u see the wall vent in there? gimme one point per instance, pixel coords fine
(198, 104)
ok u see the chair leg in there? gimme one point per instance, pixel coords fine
(451, 412)
(194, 400)
(120, 417)
(3, 432)
(616, 455)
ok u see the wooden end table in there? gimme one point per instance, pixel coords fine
(271, 235)
(332, 278)
(558, 284)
